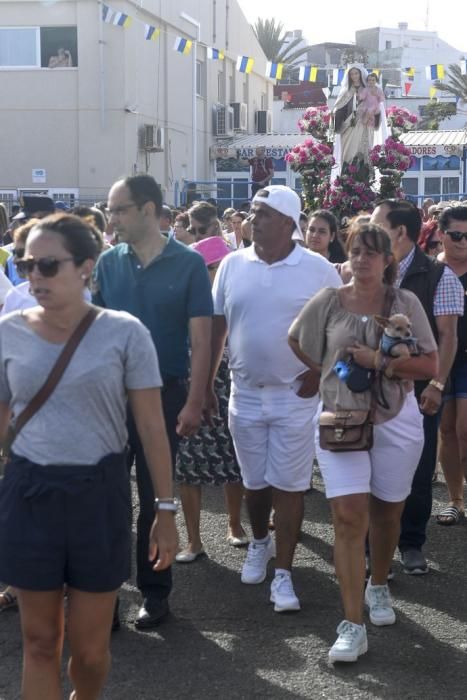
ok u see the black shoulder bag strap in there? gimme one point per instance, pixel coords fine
(52, 380)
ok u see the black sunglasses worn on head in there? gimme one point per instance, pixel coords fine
(457, 236)
(48, 267)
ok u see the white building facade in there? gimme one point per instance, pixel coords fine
(393, 50)
(116, 103)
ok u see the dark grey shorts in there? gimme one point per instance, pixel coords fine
(65, 524)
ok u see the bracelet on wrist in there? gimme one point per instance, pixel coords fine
(170, 504)
(377, 360)
(381, 361)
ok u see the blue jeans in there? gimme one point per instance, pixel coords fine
(154, 584)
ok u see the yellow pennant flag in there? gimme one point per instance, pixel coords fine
(433, 92)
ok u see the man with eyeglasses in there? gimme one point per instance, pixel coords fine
(442, 297)
(165, 285)
(453, 454)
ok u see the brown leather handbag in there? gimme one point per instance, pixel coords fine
(351, 430)
(346, 431)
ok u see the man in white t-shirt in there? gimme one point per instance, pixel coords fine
(258, 292)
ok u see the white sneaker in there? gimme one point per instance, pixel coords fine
(256, 562)
(350, 644)
(379, 602)
(283, 595)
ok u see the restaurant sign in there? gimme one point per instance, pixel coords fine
(436, 150)
(245, 152)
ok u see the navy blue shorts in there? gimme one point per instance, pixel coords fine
(65, 524)
(457, 386)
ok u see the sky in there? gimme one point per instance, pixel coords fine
(337, 20)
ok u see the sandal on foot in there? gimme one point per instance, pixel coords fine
(451, 515)
(8, 601)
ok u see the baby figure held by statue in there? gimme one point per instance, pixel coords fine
(369, 102)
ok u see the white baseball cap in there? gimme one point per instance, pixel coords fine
(285, 201)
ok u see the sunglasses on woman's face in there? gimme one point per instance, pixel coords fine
(431, 245)
(198, 230)
(17, 252)
(457, 236)
(48, 267)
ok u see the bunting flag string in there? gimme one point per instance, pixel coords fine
(337, 75)
(274, 70)
(183, 45)
(151, 33)
(107, 14)
(245, 64)
(214, 54)
(122, 20)
(308, 74)
(435, 72)
(313, 74)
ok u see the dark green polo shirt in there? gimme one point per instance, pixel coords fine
(165, 295)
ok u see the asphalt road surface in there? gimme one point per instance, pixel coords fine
(223, 640)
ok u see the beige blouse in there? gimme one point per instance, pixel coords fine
(324, 330)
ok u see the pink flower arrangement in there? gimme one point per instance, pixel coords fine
(349, 193)
(311, 156)
(315, 121)
(400, 120)
(345, 196)
(392, 155)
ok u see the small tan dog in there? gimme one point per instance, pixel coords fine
(397, 339)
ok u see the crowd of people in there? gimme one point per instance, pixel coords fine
(232, 348)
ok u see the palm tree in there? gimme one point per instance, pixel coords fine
(271, 37)
(456, 85)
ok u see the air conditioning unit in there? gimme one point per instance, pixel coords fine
(223, 120)
(263, 121)
(151, 138)
(240, 112)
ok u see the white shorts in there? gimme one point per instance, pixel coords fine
(387, 470)
(273, 433)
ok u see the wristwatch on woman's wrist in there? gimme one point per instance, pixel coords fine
(166, 504)
(436, 384)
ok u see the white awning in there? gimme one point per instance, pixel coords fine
(436, 143)
(435, 138)
(276, 145)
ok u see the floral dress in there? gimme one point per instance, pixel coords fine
(209, 456)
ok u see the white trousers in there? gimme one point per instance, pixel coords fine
(387, 470)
